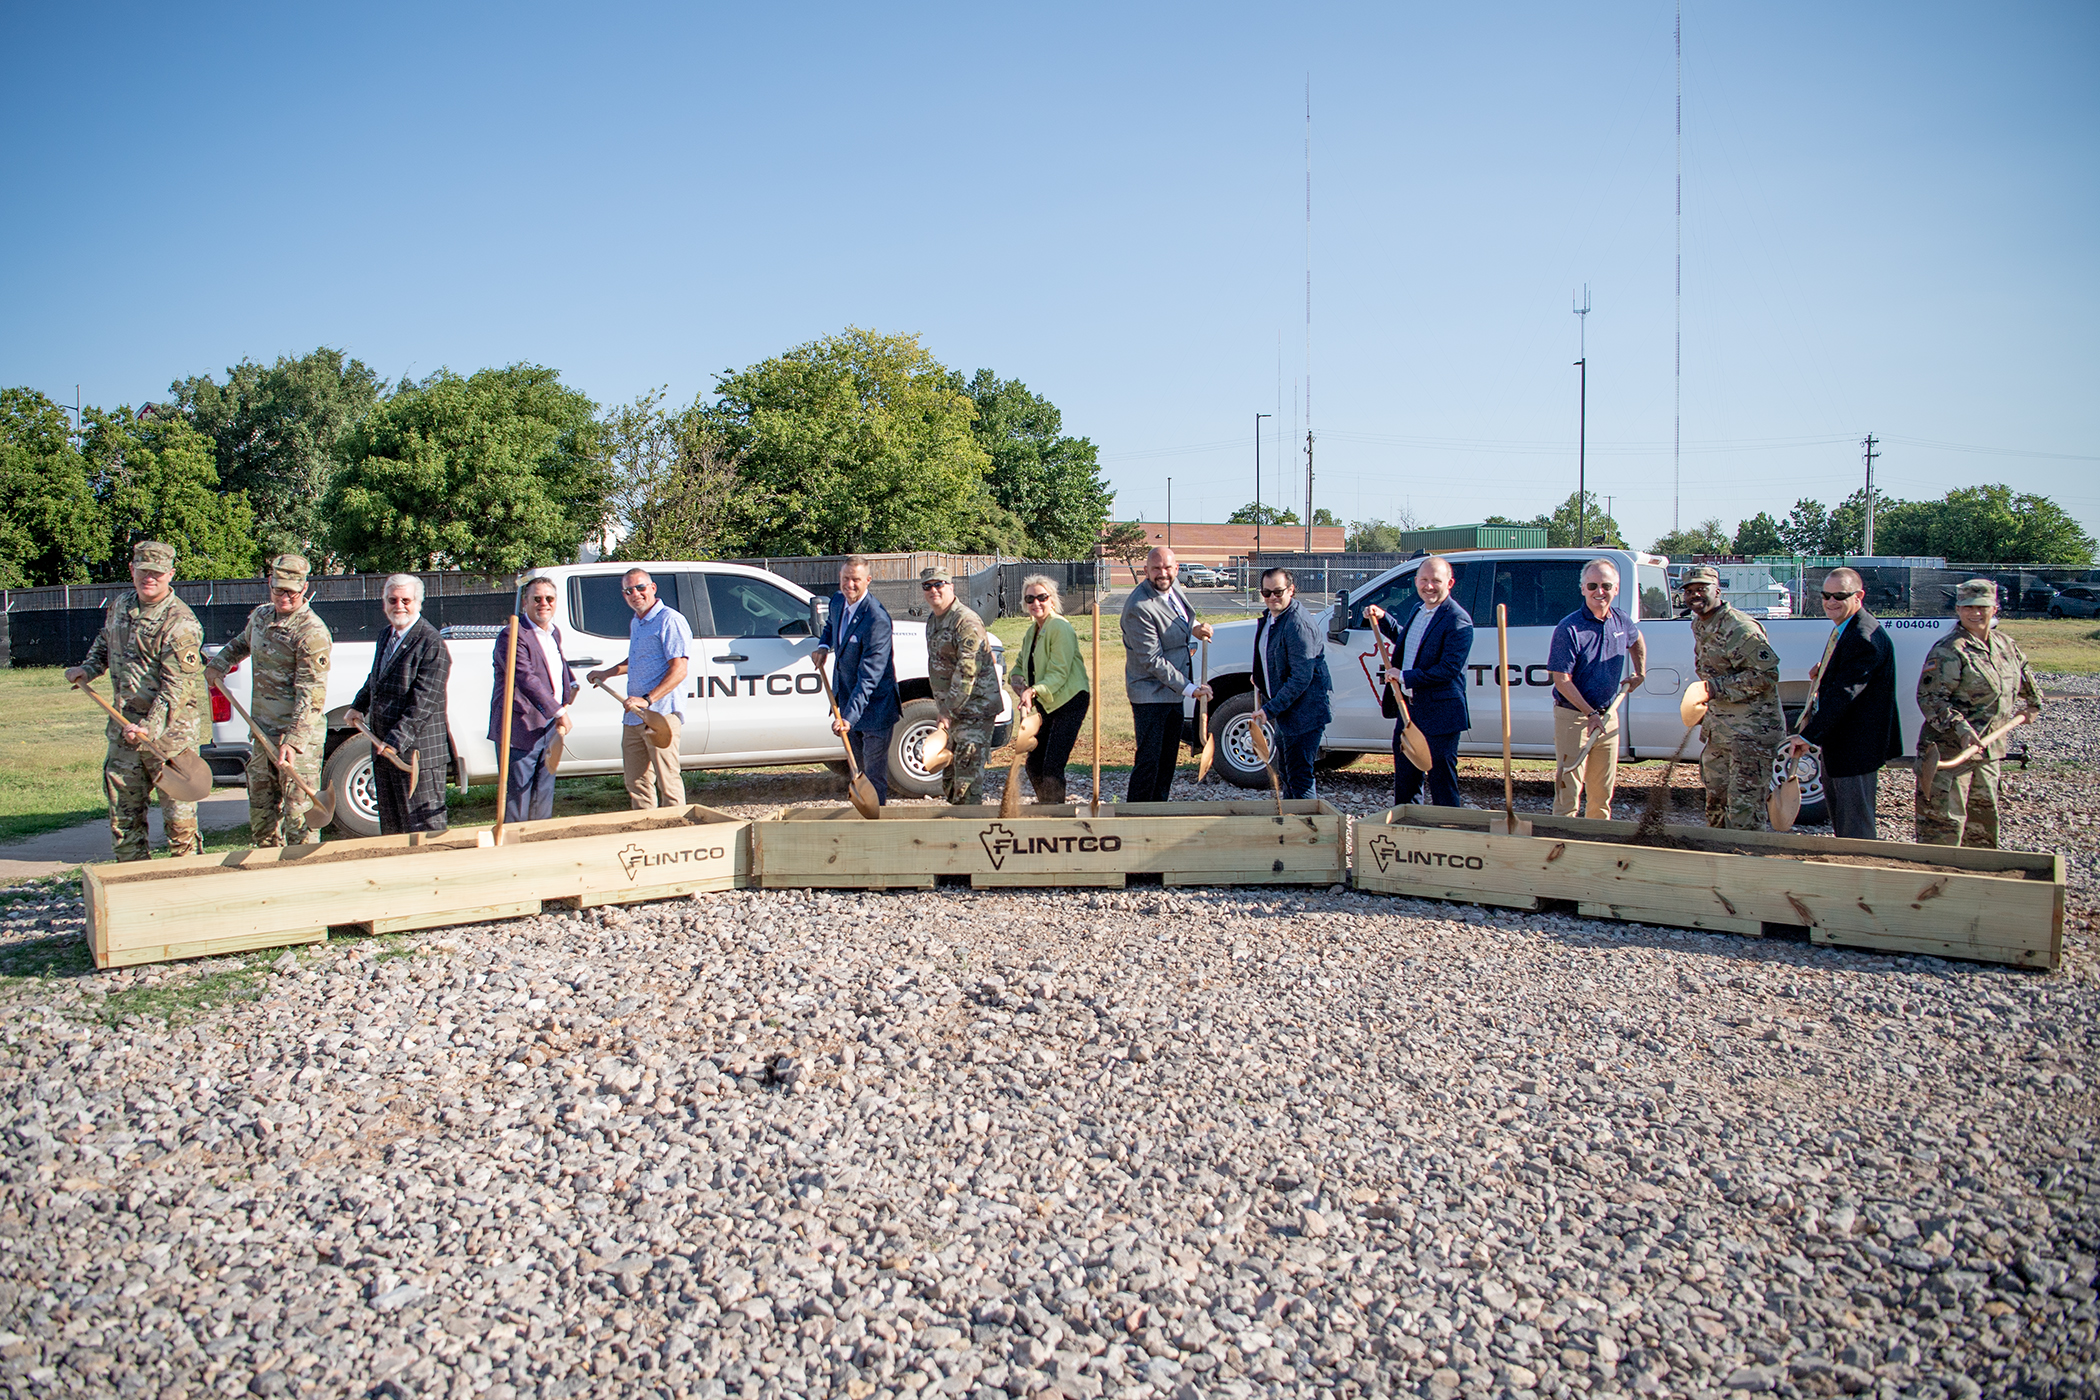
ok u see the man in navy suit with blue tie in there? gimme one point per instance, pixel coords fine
(864, 679)
(1433, 641)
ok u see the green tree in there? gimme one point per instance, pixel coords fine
(52, 529)
(1262, 514)
(1324, 516)
(1126, 543)
(858, 441)
(1805, 529)
(1758, 535)
(1049, 482)
(493, 473)
(1372, 537)
(672, 482)
(1985, 525)
(1563, 531)
(1707, 537)
(274, 431)
(153, 477)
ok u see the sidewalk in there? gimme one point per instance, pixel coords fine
(76, 845)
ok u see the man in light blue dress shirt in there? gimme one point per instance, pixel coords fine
(659, 643)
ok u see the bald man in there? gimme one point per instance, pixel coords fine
(1852, 716)
(1160, 633)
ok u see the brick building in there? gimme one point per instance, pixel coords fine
(1197, 543)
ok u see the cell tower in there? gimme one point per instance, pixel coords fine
(1308, 319)
(1677, 413)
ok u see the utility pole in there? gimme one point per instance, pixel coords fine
(1257, 480)
(1308, 318)
(1582, 420)
(1607, 511)
(1170, 512)
(1870, 444)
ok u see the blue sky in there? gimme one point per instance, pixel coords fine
(1890, 225)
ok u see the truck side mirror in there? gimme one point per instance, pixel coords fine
(1338, 620)
(817, 608)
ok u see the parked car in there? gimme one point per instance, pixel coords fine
(1199, 576)
(2079, 600)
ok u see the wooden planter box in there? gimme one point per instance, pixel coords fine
(194, 906)
(1184, 843)
(1945, 901)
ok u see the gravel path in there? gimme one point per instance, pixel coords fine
(1150, 1143)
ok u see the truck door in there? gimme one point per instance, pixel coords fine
(763, 696)
(1357, 721)
(597, 637)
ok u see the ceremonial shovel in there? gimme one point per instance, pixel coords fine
(1024, 744)
(320, 809)
(510, 692)
(1261, 751)
(1097, 699)
(859, 790)
(1411, 741)
(1209, 749)
(1510, 825)
(658, 726)
(1930, 765)
(414, 766)
(184, 776)
(1574, 765)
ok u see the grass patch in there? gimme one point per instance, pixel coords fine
(44, 959)
(2063, 645)
(50, 754)
(178, 999)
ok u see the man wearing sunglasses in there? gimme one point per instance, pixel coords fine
(1587, 658)
(1291, 681)
(659, 645)
(1852, 716)
(1743, 727)
(1160, 633)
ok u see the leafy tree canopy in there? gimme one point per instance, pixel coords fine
(859, 441)
(52, 529)
(1373, 537)
(1758, 535)
(1984, 525)
(274, 430)
(1565, 530)
(1262, 514)
(492, 474)
(1050, 483)
(1707, 537)
(153, 479)
(1127, 543)
(1324, 516)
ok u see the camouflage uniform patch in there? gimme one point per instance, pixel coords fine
(288, 701)
(1743, 725)
(154, 659)
(965, 684)
(1967, 688)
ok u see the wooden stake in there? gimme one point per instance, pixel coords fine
(1100, 691)
(510, 690)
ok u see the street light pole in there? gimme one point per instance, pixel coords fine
(1257, 479)
(1582, 451)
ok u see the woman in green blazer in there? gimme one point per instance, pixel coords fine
(1050, 676)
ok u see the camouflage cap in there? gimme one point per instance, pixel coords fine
(289, 571)
(1701, 573)
(936, 574)
(1976, 592)
(152, 554)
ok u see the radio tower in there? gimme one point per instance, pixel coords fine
(1308, 318)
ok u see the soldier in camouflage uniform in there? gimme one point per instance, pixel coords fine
(288, 701)
(152, 648)
(1744, 725)
(965, 685)
(1975, 679)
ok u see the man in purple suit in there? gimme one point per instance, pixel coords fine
(539, 707)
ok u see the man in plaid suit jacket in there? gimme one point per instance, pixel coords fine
(403, 703)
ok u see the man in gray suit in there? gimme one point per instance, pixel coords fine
(1160, 633)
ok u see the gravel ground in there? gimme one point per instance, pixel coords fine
(1150, 1143)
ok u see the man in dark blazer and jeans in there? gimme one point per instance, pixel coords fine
(541, 693)
(864, 678)
(403, 704)
(1853, 712)
(1160, 633)
(1431, 642)
(1291, 682)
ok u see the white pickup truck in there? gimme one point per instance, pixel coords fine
(752, 697)
(1539, 587)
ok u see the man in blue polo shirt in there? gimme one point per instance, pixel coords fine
(658, 644)
(1588, 660)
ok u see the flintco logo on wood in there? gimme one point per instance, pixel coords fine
(634, 858)
(1386, 851)
(999, 843)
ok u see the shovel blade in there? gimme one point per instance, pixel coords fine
(1928, 769)
(1509, 824)
(1416, 747)
(659, 729)
(1783, 807)
(322, 812)
(861, 793)
(186, 777)
(1205, 758)
(553, 759)
(1691, 706)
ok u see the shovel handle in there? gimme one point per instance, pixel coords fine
(95, 695)
(270, 750)
(1975, 751)
(384, 750)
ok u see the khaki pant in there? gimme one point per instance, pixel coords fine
(653, 779)
(1591, 787)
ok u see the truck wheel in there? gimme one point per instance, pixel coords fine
(348, 774)
(1232, 725)
(908, 774)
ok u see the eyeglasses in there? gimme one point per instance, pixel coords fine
(636, 587)
(933, 587)
(1035, 597)
(1274, 592)
(1836, 597)
(1600, 587)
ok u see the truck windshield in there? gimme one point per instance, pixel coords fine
(1655, 590)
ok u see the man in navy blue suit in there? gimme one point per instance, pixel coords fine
(865, 676)
(1291, 682)
(1433, 640)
